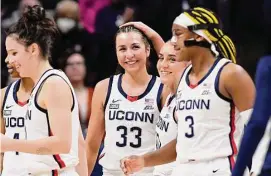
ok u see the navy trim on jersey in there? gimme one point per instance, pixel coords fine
(108, 91)
(170, 99)
(159, 97)
(50, 134)
(148, 89)
(40, 78)
(15, 90)
(202, 79)
(181, 78)
(39, 89)
(173, 115)
(6, 96)
(217, 84)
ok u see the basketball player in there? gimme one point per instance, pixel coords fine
(52, 118)
(213, 99)
(125, 107)
(16, 95)
(13, 109)
(169, 69)
(258, 122)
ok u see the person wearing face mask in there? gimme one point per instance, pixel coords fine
(66, 17)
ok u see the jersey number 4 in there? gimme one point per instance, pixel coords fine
(124, 130)
(16, 136)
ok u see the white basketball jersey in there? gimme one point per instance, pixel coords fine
(208, 123)
(14, 116)
(130, 125)
(38, 127)
(166, 131)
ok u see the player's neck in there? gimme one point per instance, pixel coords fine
(202, 62)
(42, 66)
(139, 78)
(26, 84)
(78, 86)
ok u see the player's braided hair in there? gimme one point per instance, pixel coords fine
(222, 42)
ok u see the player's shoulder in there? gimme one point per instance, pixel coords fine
(55, 81)
(56, 84)
(233, 71)
(102, 86)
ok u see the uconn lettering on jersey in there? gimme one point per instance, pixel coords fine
(193, 104)
(28, 115)
(11, 122)
(162, 125)
(131, 116)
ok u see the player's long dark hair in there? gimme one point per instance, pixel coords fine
(34, 27)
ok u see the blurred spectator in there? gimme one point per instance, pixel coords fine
(15, 15)
(71, 35)
(4, 71)
(75, 68)
(106, 29)
(88, 12)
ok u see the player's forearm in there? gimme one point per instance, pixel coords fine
(1, 164)
(91, 158)
(157, 42)
(46, 146)
(168, 152)
(81, 168)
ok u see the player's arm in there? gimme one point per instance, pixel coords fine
(2, 126)
(156, 39)
(259, 119)
(238, 85)
(133, 164)
(96, 127)
(58, 102)
(81, 168)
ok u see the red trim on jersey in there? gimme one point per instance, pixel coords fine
(57, 157)
(22, 103)
(101, 156)
(232, 141)
(192, 86)
(132, 98)
(55, 173)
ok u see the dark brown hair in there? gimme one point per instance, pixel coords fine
(34, 27)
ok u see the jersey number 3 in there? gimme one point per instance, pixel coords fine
(16, 136)
(138, 134)
(190, 120)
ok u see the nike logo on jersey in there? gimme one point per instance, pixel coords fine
(7, 107)
(214, 171)
(115, 101)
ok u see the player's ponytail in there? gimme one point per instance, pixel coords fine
(35, 27)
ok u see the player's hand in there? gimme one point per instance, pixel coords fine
(132, 164)
(149, 32)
